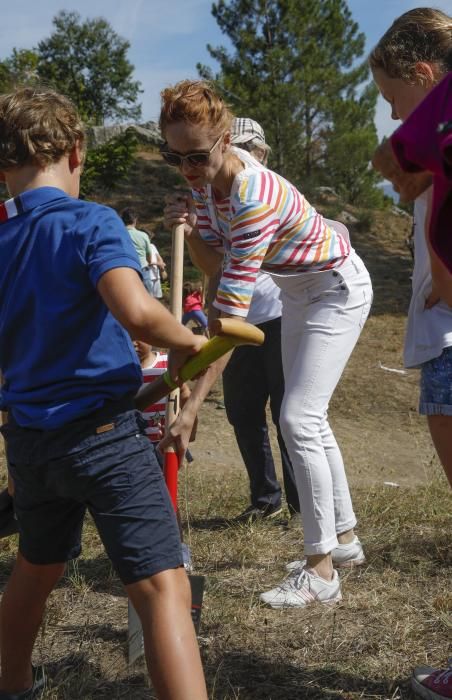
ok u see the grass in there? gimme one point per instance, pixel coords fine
(396, 612)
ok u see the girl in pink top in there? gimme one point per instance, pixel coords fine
(193, 306)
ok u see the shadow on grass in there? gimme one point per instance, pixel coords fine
(237, 674)
(75, 676)
(104, 632)
(248, 676)
(407, 552)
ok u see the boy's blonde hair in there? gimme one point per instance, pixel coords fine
(37, 127)
(194, 102)
(423, 35)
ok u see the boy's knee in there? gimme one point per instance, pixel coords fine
(48, 574)
(171, 582)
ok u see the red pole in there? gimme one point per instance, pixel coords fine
(171, 463)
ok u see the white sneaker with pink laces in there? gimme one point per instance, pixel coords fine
(301, 588)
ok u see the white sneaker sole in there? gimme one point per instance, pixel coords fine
(279, 605)
(349, 563)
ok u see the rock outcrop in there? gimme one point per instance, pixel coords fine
(147, 133)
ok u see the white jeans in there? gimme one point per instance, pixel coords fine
(323, 314)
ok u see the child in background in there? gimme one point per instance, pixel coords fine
(410, 59)
(153, 364)
(192, 305)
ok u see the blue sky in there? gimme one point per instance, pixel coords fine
(168, 37)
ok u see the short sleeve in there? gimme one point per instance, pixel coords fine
(148, 245)
(108, 244)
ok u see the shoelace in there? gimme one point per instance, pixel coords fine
(293, 581)
(302, 575)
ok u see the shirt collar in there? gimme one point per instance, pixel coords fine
(30, 199)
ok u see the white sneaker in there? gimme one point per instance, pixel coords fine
(344, 556)
(301, 588)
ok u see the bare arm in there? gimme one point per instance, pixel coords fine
(145, 318)
(212, 287)
(408, 185)
(203, 255)
(160, 262)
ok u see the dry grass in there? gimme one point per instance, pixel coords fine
(397, 609)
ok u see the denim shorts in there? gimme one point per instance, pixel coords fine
(102, 463)
(436, 385)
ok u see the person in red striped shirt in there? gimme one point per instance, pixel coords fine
(153, 364)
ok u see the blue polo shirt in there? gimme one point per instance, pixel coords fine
(62, 353)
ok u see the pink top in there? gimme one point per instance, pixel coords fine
(193, 302)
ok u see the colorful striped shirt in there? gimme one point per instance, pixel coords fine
(155, 414)
(265, 223)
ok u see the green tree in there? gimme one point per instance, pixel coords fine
(292, 63)
(350, 143)
(87, 61)
(107, 165)
(18, 69)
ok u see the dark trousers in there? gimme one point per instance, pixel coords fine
(252, 376)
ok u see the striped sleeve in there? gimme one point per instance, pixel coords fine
(253, 226)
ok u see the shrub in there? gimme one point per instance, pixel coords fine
(109, 164)
(366, 219)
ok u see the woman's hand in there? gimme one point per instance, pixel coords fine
(180, 209)
(181, 432)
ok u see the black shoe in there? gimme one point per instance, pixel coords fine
(39, 684)
(252, 513)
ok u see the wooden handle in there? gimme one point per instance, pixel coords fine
(171, 460)
(243, 333)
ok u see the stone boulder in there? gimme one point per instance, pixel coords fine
(147, 133)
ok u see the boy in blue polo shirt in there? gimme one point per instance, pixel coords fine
(71, 294)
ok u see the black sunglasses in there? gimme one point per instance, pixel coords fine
(195, 160)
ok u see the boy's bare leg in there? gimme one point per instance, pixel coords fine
(21, 613)
(441, 432)
(163, 603)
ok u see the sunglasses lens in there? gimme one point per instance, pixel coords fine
(171, 158)
(198, 159)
